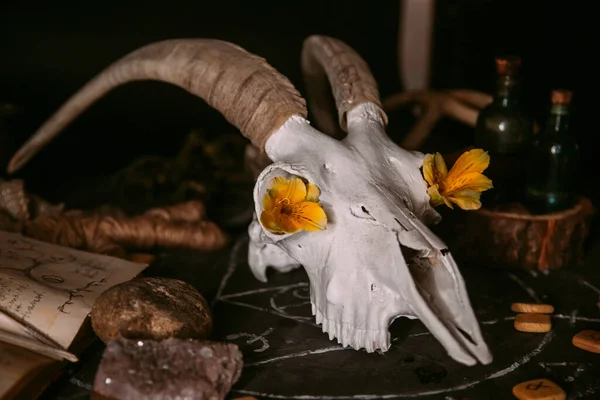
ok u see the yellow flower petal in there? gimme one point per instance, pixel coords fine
(312, 192)
(473, 181)
(466, 199)
(440, 166)
(309, 216)
(289, 225)
(436, 198)
(434, 169)
(447, 202)
(268, 203)
(462, 185)
(269, 220)
(293, 189)
(428, 169)
(476, 160)
(291, 205)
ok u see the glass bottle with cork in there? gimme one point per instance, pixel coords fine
(505, 129)
(553, 161)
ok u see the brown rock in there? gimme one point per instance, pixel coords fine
(167, 370)
(151, 308)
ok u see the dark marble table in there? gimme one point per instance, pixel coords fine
(287, 356)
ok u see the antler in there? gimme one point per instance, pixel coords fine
(249, 92)
(352, 83)
(461, 105)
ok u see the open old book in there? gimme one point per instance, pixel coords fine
(46, 294)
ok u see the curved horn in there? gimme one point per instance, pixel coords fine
(325, 58)
(248, 91)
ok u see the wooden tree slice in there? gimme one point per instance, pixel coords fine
(513, 238)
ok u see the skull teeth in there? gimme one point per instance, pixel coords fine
(348, 335)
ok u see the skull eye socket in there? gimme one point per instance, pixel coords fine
(287, 202)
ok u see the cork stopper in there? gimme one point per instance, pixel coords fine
(508, 66)
(561, 97)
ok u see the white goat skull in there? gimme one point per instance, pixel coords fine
(376, 260)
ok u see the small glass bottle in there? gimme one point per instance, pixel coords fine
(504, 126)
(505, 129)
(553, 162)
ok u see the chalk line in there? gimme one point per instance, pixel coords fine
(583, 282)
(81, 384)
(547, 339)
(579, 365)
(317, 351)
(533, 273)
(254, 338)
(298, 354)
(417, 334)
(301, 296)
(231, 266)
(281, 311)
(524, 286)
(263, 290)
(292, 317)
(490, 322)
(303, 303)
(575, 318)
(523, 360)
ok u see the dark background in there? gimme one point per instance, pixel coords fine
(50, 50)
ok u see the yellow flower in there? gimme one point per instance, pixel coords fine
(291, 205)
(463, 184)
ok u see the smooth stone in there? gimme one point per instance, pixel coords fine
(151, 308)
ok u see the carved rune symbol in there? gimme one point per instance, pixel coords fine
(254, 338)
(537, 386)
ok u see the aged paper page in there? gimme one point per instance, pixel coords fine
(50, 289)
(16, 365)
(10, 325)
